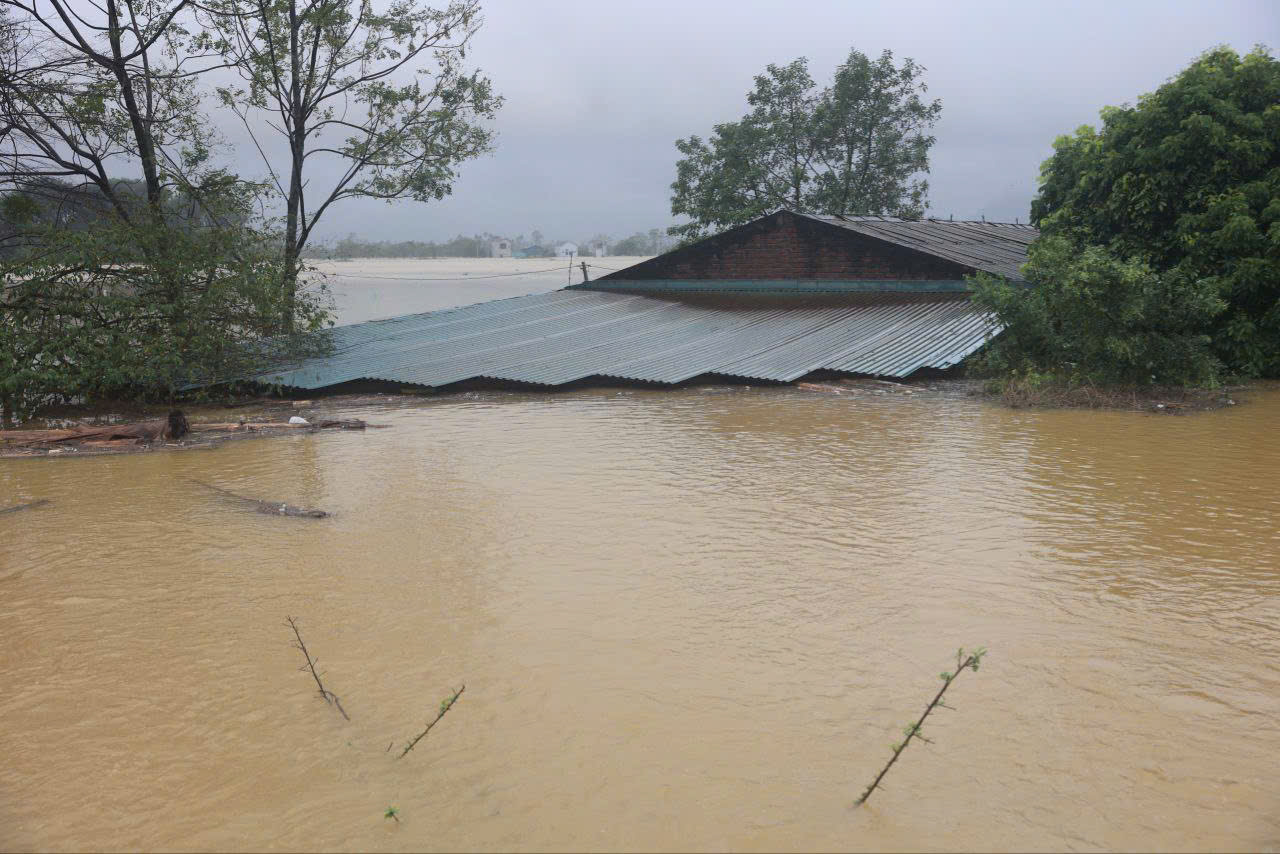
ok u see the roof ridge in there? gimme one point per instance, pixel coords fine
(977, 222)
(888, 218)
(993, 247)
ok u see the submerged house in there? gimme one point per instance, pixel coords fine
(775, 299)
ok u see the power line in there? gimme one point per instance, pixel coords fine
(462, 278)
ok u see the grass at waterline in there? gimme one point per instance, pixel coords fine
(1039, 392)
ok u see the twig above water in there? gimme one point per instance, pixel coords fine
(964, 661)
(329, 696)
(445, 705)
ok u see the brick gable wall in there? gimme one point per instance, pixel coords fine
(784, 246)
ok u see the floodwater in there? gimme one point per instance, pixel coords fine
(371, 289)
(686, 620)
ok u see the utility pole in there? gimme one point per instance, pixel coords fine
(585, 277)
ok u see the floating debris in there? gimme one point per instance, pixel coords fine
(268, 508)
(172, 432)
(41, 502)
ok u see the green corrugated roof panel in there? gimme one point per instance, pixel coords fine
(775, 286)
(571, 334)
(993, 247)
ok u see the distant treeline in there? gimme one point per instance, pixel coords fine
(477, 246)
(39, 206)
(652, 242)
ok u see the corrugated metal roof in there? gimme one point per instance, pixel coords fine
(618, 282)
(566, 335)
(995, 247)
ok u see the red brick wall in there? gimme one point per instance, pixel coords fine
(783, 246)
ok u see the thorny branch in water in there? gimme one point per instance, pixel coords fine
(964, 661)
(329, 696)
(445, 705)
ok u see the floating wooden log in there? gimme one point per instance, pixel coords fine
(175, 426)
(826, 389)
(269, 508)
(24, 437)
(40, 502)
(251, 426)
(147, 431)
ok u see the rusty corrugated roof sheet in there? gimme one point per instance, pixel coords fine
(994, 247)
(555, 338)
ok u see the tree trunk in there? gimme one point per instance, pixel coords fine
(297, 151)
(141, 132)
(292, 227)
(289, 276)
(139, 121)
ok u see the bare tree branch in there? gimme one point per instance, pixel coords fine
(445, 705)
(327, 695)
(330, 67)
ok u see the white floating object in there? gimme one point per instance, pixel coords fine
(298, 419)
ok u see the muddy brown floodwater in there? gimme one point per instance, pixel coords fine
(692, 619)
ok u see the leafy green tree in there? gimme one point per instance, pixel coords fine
(343, 82)
(872, 124)
(465, 247)
(93, 314)
(89, 97)
(1087, 316)
(1187, 181)
(640, 243)
(858, 146)
(82, 89)
(113, 285)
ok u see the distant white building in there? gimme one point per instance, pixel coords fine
(567, 250)
(500, 248)
(597, 248)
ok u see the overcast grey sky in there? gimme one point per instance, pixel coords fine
(597, 93)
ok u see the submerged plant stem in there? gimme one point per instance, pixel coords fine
(913, 731)
(445, 706)
(326, 694)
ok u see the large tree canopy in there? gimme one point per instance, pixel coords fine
(861, 145)
(1091, 317)
(115, 284)
(1187, 182)
(381, 95)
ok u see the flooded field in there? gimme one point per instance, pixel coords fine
(371, 289)
(686, 620)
